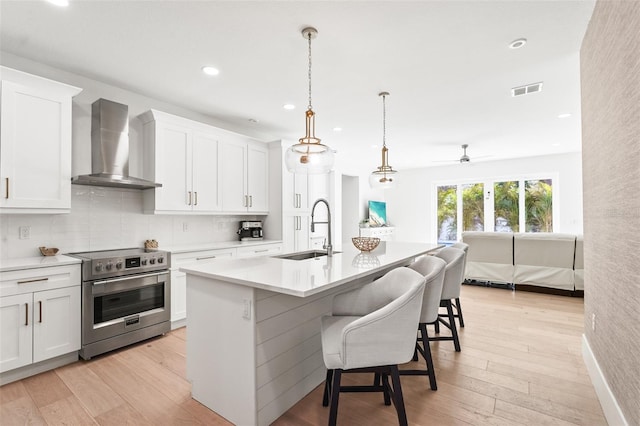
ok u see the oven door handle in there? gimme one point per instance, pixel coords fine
(133, 277)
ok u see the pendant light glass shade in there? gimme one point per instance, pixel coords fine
(309, 156)
(384, 177)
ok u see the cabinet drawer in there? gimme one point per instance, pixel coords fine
(38, 279)
(262, 250)
(203, 256)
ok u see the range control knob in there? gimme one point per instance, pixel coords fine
(99, 267)
(152, 261)
(109, 266)
(143, 261)
(161, 260)
(119, 265)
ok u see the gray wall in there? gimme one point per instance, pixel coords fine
(610, 72)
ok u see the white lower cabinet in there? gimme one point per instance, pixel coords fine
(179, 279)
(260, 250)
(17, 331)
(201, 257)
(39, 315)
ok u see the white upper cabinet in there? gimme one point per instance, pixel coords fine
(295, 192)
(35, 144)
(244, 174)
(182, 155)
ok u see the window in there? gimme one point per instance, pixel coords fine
(473, 207)
(506, 206)
(447, 213)
(539, 206)
(515, 205)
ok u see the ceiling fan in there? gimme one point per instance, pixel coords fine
(464, 159)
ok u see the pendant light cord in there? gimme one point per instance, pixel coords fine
(384, 121)
(309, 37)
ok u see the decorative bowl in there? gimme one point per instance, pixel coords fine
(51, 251)
(365, 243)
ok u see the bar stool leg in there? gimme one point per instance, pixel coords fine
(397, 396)
(452, 323)
(459, 312)
(327, 388)
(335, 393)
(427, 356)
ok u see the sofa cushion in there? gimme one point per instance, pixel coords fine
(544, 259)
(490, 256)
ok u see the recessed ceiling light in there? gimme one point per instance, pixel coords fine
(61, 3)
(337, 129)
(210, 70)
(565, 115)
(289, 106)
(517, 44)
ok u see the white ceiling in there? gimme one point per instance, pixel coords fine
(446, 64)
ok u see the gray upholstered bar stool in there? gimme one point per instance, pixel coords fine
(458, 308)
(432, 268)
(450, 291)
(372, 329)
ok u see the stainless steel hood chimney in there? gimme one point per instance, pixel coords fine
(110, 148)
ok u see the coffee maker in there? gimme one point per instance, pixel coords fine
(250, 230)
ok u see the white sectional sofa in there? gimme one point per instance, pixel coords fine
(551, 260)
(490, 256)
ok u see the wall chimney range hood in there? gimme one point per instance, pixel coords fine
(110, 149)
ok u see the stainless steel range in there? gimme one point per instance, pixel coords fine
(126, 297)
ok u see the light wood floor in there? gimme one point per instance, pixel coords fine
(520, 364)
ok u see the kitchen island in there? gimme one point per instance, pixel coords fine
(253, 325)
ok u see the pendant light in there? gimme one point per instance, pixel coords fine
(384, 176)
(309, 156)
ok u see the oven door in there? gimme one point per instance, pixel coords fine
(118, 305)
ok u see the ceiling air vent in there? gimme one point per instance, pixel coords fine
(525, 90)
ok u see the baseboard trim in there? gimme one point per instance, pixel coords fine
(178, 323)
(610, 407)
(37, 368)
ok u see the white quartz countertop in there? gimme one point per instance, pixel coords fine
(215, 246)
(36, 262)
(311, 276)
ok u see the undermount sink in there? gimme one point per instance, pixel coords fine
(303, 255)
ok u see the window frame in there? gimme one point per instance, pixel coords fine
(489, 210)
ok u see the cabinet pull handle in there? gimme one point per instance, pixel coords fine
(295, 201)
(260, 251)
(6, 193)
(189, 203)
(40, 309)
(245, 203)
(206, 257)
(250, 200)
(26, 314)
(299, 200)
(196, 198)
(34, 280)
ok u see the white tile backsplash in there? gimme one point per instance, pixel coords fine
(108, 218)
